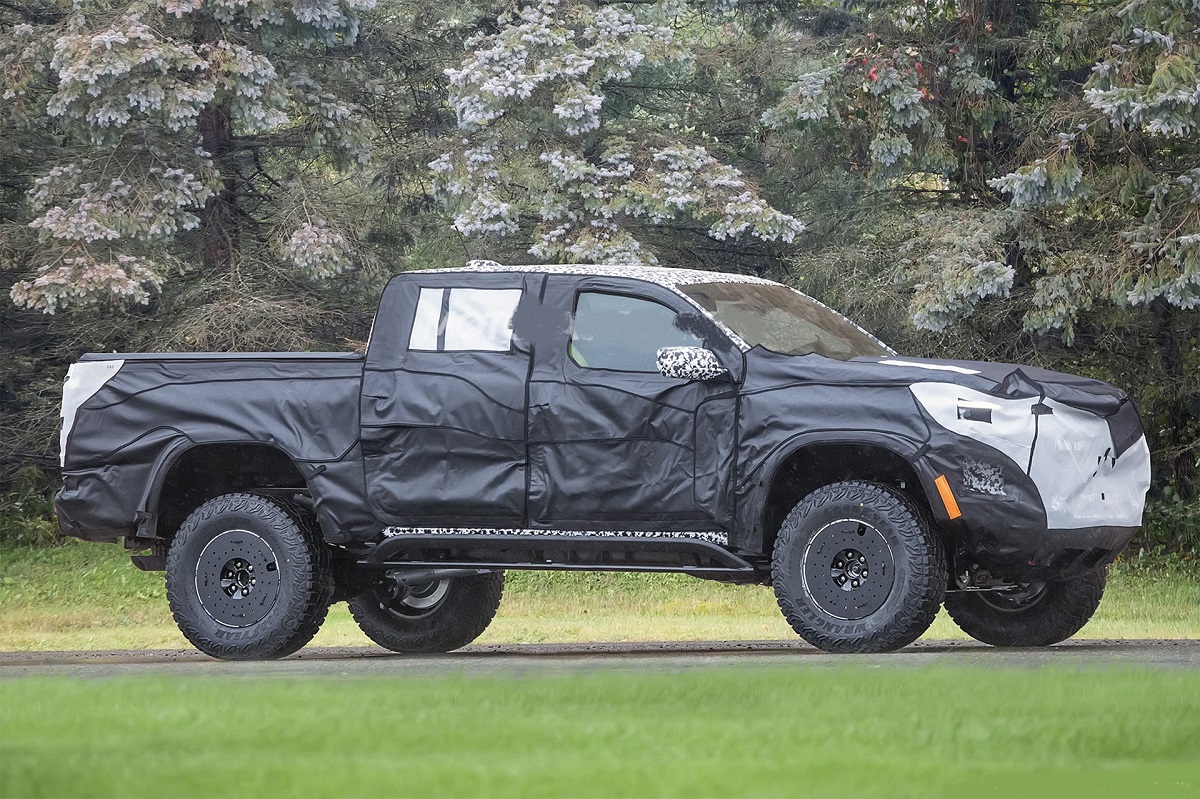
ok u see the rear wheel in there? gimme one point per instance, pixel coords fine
(857, 568)
(437, 616)
(248, 578)
(1037, 614)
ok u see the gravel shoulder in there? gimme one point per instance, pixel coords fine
(522, 659)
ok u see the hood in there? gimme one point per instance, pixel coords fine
(1011, 381)
(1004, 380)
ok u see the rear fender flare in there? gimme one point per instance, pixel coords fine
(148, 506)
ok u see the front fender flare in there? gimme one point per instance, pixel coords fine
(753, 491)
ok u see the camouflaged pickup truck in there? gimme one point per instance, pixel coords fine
(602, 418)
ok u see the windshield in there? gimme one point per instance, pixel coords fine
(784, 320)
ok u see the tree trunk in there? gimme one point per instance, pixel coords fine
(218, 222)
(1181, 462)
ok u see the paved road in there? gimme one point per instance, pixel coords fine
(520, 659)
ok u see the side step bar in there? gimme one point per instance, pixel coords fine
(558, 553)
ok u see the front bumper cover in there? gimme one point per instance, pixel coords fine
(1003, 524)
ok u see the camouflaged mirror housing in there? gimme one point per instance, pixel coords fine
(545, 418)
(689, 363)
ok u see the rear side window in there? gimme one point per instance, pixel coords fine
(461, 320)
(612, 331)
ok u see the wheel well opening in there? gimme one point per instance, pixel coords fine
(211, 470)
(818, 465)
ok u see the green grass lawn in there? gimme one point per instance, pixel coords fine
(88, 596)
(831, 731)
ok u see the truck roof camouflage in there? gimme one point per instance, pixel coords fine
(667, 276)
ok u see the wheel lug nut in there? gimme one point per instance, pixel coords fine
(854, 584)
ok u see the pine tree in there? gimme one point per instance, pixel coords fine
(182, 123)
(542, 142)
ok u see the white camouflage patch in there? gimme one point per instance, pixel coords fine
(983, 477)
(713, 538)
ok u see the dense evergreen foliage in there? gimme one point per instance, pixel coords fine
(1005, 179)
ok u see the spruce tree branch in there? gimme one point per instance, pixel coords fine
(41, 17)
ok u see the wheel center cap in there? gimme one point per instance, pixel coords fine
(237, 579)
(849, 569)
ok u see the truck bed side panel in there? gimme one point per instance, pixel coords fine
(157, 407)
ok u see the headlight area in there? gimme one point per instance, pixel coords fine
(1090, 471)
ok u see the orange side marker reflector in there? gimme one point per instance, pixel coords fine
(947, 498)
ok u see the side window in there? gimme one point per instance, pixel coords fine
(460, 320)
(613, 331)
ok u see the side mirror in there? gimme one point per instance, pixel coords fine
(689, 363)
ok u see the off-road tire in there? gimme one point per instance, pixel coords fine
(894, 543)
(1057, 612)
(462, 613)
(287, 601)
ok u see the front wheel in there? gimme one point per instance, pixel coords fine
(437, 616)
(857, 568)
(1038, 614)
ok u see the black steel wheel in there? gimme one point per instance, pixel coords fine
(436, 616)
(248, 578)
(1036, 614)
(857, 568)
